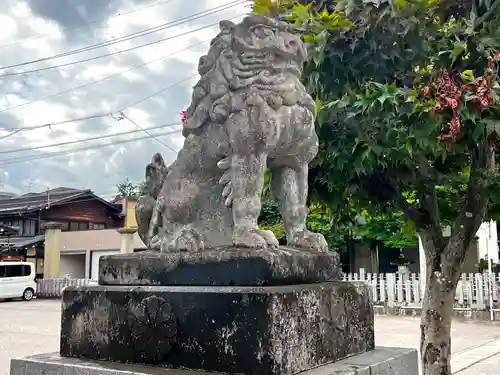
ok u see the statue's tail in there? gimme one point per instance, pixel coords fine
(143, 213)
(227, 192)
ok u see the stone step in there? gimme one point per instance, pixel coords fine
(380, 361)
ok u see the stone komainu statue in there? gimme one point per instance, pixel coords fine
(249, 111)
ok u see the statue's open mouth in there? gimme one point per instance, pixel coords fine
(288, 66)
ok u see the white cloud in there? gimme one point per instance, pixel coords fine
(34, 29)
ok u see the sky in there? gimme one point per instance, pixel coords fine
(44, 81)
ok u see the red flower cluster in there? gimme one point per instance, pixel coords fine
(183, 117)
(449, 91)
(448, 95)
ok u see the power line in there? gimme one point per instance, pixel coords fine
(111, 53)
(48, 125)
(87, 139)
(99, 115)
(147, 132)
(164, 2)
(126, 38)
(133, 104)
(102, 79)
(130, 36)
(87, 148)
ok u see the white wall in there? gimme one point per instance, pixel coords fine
(487, 242)
(94, 262)
(73, 264)
(104, 239)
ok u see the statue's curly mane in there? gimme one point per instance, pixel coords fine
(234, 61)
(211, 101)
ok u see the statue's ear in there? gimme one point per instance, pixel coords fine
(150, 171)
(151, 177)
(158, 161)
(226, 25)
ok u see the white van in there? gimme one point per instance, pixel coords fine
(17, 280)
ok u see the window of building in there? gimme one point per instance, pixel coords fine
(18, 224)
(65, 226)
(97, 226)
(29, 228)
(78, 225)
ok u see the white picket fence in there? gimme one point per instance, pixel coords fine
(52, 288)
(405, 290)
(389, 289)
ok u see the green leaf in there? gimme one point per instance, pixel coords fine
(409, 148)
(458, 49)
(302, 12)
(467, 75)
(384, 97)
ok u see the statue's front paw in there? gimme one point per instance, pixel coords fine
(308, 240)
(254, 238)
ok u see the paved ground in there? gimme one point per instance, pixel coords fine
(28, 328)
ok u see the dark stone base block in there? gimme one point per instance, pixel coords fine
(221, 267)
(280, 330)
(380, 361)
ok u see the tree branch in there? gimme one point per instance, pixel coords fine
(428, 191)
(472, 213)
(411, 213)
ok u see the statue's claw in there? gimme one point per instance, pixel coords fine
(254, 238)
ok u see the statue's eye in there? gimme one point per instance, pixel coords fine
(263, 33)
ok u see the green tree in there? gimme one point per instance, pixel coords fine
(129, 189)
(409, 115)
(389, 229)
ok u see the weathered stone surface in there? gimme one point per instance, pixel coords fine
(226, 266)
(380, 361)
(278, 330)
(249, 111)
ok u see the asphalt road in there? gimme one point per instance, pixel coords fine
(28, 328)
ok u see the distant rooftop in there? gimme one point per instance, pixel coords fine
(37, 201)
(7, 195)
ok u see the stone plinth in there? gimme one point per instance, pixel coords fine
(220, 267)
(381, 361)
(276, 330)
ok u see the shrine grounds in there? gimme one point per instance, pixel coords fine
(28, 328)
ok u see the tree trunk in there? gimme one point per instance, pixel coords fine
(443, 266)
(435, 325)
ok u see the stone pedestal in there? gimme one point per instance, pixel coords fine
(277, 330)
(221, 267)
(269, 312)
